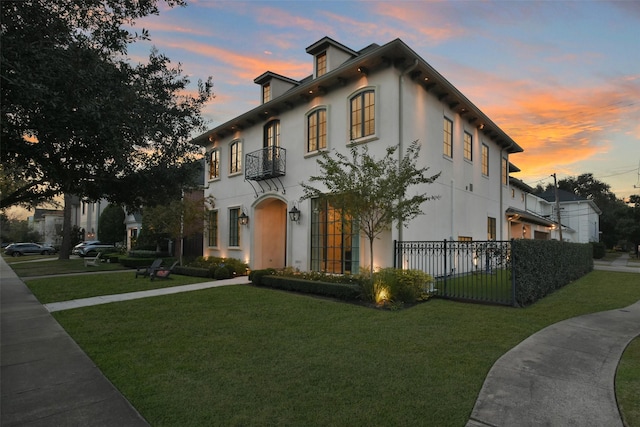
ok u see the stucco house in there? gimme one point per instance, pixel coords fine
(48, 222)
(379, 96)
(580, 217)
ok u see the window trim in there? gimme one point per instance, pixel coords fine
(216, 175)
(214, 227)
(369, 137)
(266, 92)
(271, 141)
(470, 146)
(238, 157)
(448, 154)
(325, 69)
(313, 112)
(234, 227)
(504, 173)
(485, 157)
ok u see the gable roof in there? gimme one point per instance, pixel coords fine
(395, 53)
(567, 197)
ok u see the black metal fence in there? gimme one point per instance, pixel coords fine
(480, 271)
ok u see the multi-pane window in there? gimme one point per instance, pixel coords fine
(447, 148)
(235, 150)
(468, 146)
(485, 160)
(266, 93)
(363, 122)
(491, 228)
(234, 227)
(334, 240)
(505, 171)
(272, 134)
(321, 64)
(213, 228)
(317, 130)
(214, 164)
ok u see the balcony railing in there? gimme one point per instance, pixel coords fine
(266, 163)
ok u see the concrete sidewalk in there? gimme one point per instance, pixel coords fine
(46, 379)
(562, 375)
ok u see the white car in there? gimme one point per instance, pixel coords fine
(90, 247)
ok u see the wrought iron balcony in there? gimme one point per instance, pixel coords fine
(266, 163)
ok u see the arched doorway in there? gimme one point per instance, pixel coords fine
(270, 238)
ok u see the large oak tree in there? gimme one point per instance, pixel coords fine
(80, 118)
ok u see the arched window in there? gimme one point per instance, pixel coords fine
(235, 150)
(317, 130)
(363, 114)
(272, 134)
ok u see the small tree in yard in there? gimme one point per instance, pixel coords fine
(372, 192)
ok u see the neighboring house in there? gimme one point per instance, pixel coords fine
(133, 223)
(527, 215)
(580, 217)
(86, 216)
(48, 222)
(379, 96)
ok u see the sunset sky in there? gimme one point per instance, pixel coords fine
(562, 78)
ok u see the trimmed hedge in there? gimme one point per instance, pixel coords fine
(191, 271)
(133, 262)
(334, 290)
(599, 250)
(542, 266)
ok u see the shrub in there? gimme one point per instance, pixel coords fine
(406, 286)
(335, 290)
(235, 266)
(599, 250)
(222, 273)
(192, 271)
(256, 275)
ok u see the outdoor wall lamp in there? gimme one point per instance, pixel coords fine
(294, 214)
(243, 219)
(363, 70)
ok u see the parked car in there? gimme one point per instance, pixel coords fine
(90, 248)
(19, 249)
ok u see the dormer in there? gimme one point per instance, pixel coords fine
(328, 55)
(273, 85)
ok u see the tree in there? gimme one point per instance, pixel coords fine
(111, 226)
(374, 193)
(78, 118)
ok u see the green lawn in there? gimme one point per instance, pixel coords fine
(26, 266)
(251, 356)
(628, 384)
(65, 288)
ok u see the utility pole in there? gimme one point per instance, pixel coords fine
(555, 184)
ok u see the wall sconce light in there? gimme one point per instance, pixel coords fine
(243, 219)
(363, 70)
(294, 214)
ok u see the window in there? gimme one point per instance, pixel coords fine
(234, 227)
(334, 240)
(363, 115)
(321, 64)
(214, 164)
(465, 239)
(236, 157)
(505, 171)
(491, 228)
(213, 228)
(485, 160)
(272, 134)
(266, 93)
(447, 148)
(317, 130)
(513, 193)
(468, 146)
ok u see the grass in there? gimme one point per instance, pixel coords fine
(628, 384)
(251, 356)
(26, 266)
(65, 288)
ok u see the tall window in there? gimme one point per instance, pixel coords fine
(485, 160)
(334, 240)
(447, 148)
(214, 164)
(234, 227)
(236, 157)
(468, 146)
(321, 64)
(317, 130)
(491, 228)
(272, 134)
(213, 228)
(505, 171)
(363, 120)
(266, 93)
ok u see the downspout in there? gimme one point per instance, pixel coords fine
(502, 214)
(400, 123)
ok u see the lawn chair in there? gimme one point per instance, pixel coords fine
(93, 261)
(162, 272)
(147, 271)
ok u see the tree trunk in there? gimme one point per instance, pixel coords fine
(65, 248)
(371, 255)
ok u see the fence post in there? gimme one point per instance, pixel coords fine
(444, 248)
(513, 273)
(395, 254)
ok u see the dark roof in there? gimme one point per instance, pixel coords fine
(526, 216)
(395, 53)
(563, 196)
